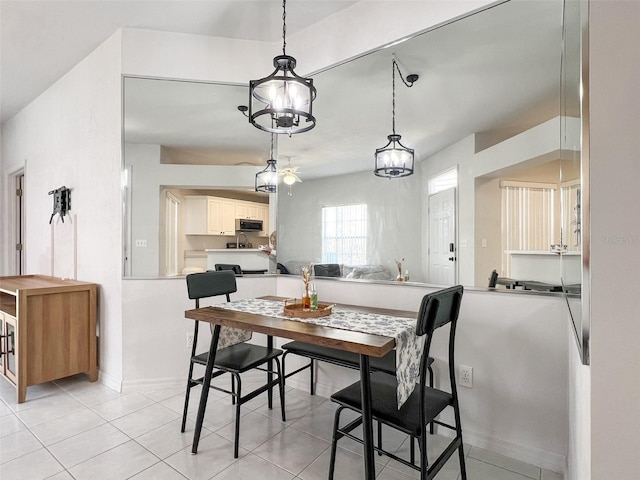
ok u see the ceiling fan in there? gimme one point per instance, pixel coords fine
(289, 175)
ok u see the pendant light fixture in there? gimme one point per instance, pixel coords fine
(282, 102)
(394, 160)
(267, 179)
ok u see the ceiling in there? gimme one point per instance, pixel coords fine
(42, 40)
(494, 74)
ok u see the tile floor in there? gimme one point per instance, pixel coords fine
(76, 429)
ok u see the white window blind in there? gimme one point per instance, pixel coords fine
(527, 218)
(344, 234)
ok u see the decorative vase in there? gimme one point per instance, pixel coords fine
(306, 298)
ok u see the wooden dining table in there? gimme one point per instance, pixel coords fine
(364, 344)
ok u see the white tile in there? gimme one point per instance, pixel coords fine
(144, 420)
(48, 408)
(479, 470)
(318, 422)
(160, 394)
(92, 393)
(292, 450)
(390, 474)
(34, 393)
(251, 466)
(4, 409)
(17, 444)
(348, 465)
(64, 475)
(118, 463)
(81, 447)
(214, 455)
(255, 429)
(168, 439)
(61, 428)
(36, 465)
(159, 471)
(507, 463)
(220, 412)
(121, 406)
(10, 424)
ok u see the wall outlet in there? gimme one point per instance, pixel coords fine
(465, 376)
(189, 339)
(141, 243)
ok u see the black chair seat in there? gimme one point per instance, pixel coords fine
(384, 403)
(239, 358)
(385, 364)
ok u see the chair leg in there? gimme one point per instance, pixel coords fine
(380, 438)
(431, 425)
(233, 390)
(312, 367)
(186, 398)
(284, 374)
(236, 439)
(334, 442)
(424, 463)
(281, 389)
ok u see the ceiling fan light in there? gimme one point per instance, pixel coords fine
(289, 179)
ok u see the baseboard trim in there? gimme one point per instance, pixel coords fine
(535, 456)
(152, 384)
(110, 381)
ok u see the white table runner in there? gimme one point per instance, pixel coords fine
(408, 345)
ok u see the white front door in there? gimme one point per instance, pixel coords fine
(442, 237)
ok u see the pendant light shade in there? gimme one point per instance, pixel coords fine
(394, 160)
(267, 179)
(283, 101)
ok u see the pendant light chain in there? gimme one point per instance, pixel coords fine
(393, 89)
(284, 26)
(282, 101)
(394, 67)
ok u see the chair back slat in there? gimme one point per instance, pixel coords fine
(211, 284)
(438, 309)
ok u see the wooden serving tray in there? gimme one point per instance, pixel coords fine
(293, 308)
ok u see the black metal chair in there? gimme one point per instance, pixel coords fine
(228, 266)
(424, 405)
(493, 279)
(233, 359)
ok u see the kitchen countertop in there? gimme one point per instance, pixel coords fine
(232, 250)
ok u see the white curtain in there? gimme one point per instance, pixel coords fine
(527, 218)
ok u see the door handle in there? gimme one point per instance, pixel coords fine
(452, 259)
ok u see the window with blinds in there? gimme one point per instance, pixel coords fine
(344, 234)
(527, 218)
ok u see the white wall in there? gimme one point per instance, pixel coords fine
(389, 203)
(615, 241)
(539, 141)
(70, 135)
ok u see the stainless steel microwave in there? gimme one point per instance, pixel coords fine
(246, 225)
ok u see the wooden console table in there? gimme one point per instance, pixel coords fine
(47, 330)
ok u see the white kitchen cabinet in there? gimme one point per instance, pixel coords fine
(263, 214)
(248, 210)
(206, 215)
